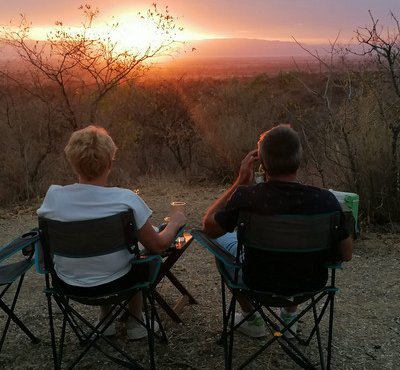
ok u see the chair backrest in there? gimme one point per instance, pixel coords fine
(288, 233)
(287, 253)
(88, 238)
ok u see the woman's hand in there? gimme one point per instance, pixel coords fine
(158, 242)
(178, 218)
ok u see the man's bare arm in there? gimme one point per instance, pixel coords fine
(210, 226)
(245, 177)
(346, 249)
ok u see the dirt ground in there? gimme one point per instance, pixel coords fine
(367, 311)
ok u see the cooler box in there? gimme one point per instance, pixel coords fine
(349, 203)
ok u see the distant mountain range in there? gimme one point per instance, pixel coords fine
(251, 48)
(231, 48)
(223, 58)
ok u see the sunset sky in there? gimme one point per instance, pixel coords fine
(312, 21)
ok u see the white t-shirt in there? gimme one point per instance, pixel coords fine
(79, 202)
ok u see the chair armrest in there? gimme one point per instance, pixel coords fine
(216, 249)
(20, 244)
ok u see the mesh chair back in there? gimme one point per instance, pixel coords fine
(287, 254)
(288, 233)
(89, 238)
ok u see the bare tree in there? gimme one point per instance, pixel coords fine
(383, 45)
(27, 138)
(359, 139)
(83, 63)
(334, 135)
(65, 79)
(166, 120)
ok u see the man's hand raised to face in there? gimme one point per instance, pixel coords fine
(246, 172)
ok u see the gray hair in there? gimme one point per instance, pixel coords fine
(280, 150)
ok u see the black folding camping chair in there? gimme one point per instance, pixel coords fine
(15, 260)
(295, 246)
(96, 237)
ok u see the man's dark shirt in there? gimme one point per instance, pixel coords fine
(286, 274)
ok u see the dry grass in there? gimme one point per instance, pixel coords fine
(367, 321)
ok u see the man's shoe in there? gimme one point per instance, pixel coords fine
(287, 318)
(135, 330)
(253, 327)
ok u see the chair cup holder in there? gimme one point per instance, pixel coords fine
(30, 235)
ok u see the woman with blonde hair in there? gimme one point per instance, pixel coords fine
(91, 151)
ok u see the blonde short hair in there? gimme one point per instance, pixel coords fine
(90, 151)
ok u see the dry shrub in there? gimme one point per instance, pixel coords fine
(214, 124)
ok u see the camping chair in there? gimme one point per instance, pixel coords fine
(13, 269)
(284, 243)
(94, 238)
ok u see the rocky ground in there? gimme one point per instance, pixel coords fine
(367, 318)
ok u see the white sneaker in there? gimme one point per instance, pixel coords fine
(254, 327)
(110, 331)
(135, 330)
(287, 318)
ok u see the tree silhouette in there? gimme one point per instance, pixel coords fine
(59, 84)
(82, 65)
(383, 45)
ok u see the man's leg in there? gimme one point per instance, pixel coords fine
(287, 314)
(229, 242)
(254, 326)
(135, 305)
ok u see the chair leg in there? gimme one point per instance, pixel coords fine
(92, 339)
(320, 316)
(231, 322)
(66, 318)
(330, 331)
(51, 323)
(70, 316)
(152, 299)
(13, 317)
(318, 334)
(222, 338)
(225, 321)
(286, 344)
(150, 329)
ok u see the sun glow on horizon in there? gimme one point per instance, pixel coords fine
(129, 32)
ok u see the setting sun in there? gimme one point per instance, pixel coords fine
(133, 33)
(129, 32)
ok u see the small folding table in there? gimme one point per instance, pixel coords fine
(170, 257)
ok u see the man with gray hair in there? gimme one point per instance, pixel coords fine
(280, 153)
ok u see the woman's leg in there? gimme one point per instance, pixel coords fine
(136, 304)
